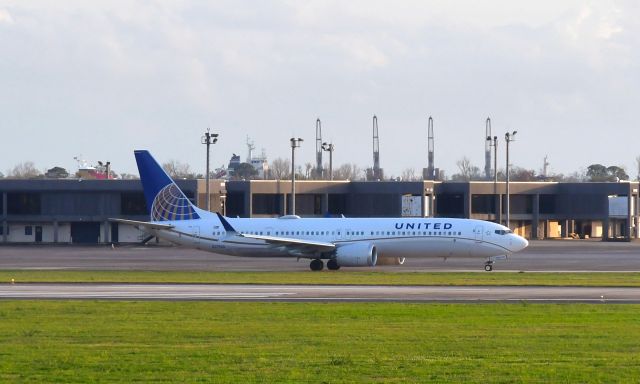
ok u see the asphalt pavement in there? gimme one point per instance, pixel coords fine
(325, 293)
(541, 255)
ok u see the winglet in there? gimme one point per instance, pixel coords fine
(225, 223)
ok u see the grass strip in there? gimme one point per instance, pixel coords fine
(326, 277)
(106, 341)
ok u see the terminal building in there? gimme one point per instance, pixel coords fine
(78, 211)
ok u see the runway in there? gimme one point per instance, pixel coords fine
(323, 293)
(541, 255)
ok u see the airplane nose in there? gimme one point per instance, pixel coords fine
(519, 243)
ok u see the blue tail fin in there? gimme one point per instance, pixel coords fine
(165, 200)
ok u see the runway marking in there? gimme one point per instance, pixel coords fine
(319, 293)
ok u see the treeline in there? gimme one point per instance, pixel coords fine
(280, 169)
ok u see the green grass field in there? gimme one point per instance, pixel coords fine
(328, 277)
(117, 341)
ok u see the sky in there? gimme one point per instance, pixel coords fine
(102, 78)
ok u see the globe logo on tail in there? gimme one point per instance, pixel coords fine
(171, 204)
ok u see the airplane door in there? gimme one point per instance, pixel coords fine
(478, 233)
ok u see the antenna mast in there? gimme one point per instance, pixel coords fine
(250, 147)
(377, 174)
(430, 147)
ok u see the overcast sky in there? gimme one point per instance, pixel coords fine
(100, 79)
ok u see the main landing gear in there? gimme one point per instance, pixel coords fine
(333, 265)
(488, 266)
(316, 265)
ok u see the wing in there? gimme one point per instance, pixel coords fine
(294, 244)
(143, 224)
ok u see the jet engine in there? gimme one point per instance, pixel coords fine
(390, 260)
(357, 255)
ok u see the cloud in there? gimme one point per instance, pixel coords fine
(158, 73)
(5, 17)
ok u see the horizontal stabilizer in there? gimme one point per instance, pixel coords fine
(143, 224)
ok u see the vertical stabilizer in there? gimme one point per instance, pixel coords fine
(165, 201)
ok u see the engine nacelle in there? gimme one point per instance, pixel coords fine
(390, 260)
(357, 255)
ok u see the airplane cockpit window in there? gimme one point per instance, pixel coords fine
(503, 231)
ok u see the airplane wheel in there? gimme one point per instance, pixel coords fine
(316, 265)
(488, 267)
(333, 265)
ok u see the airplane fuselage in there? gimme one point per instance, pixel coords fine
(393, 237)
(343, 242)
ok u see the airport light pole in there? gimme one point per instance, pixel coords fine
(508, 137)
(295, 143)
(208, 139)
(329, 147)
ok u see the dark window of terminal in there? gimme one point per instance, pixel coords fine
(450, 205)
(547, 204)
(24, 203)
(235, 204)
(266, 204)
(520, 204)
(337, 204)
(483, 204)
(133, 203)
(317, 205)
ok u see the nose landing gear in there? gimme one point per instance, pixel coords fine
(488, 265)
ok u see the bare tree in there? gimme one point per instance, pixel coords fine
(308, 174)
(178, 170)
(522, 174)
(467, 170)
(280, 169)
(348, 172)
(128, 176)
(26, 170)
(409, 174)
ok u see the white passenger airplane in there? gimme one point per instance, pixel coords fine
(343, 242)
